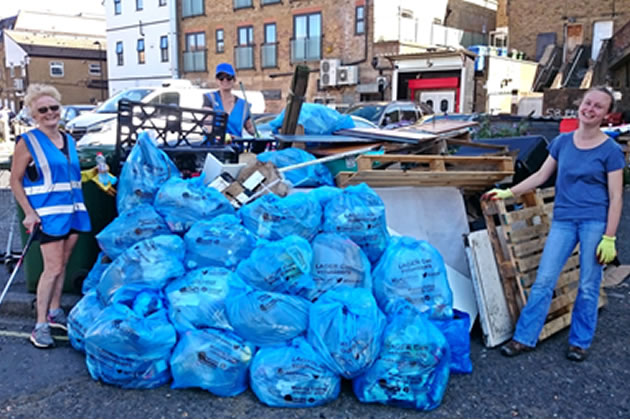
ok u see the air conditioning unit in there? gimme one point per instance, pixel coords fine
(18, 84)
(328, 72)
(348, 75)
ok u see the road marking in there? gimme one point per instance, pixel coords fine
(7, 333)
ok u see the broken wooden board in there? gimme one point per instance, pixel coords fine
(378, 134)
(494, 314)
(614, 275)
(441, 126)
(518, 229)
(469, 172)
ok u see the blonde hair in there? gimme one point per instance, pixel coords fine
(36, 91)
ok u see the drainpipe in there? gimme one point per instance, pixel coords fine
(176, 58)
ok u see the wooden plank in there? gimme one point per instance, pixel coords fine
(390, 178)
(496, 161)
(494, 313)
(438, 126)
(564, 321)
(529, 247)
(529, 263)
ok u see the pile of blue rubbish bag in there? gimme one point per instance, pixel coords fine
(286, 295)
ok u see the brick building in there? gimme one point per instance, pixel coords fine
(533, 24)
(265, 39)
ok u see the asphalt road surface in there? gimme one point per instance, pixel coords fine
(541, 384)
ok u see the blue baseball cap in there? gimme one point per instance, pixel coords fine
(225, 68)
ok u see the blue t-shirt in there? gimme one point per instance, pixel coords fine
(582, 178)
(238, 115)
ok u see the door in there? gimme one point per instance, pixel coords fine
(601, 30)
(575, 36)
(440, 100)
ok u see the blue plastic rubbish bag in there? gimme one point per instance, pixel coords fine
(183, 202)
(325, 193)
(317, 119)
(345, 328)
(337, 262)
(130, 343)
(360, 214)
(94, 276)
(131, 226)
(81, 317)
(412, 369)
(282, 266)
(152, 262)
(265, 318)
(309, 176)
(456, 332)
(143, 173)
(222, 241)
(212, 359)
(197, 300)
(292, 375)
(271, 217)
(415, 271)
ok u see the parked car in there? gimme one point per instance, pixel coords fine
(390, 114)
(99, 127)
(70, 112)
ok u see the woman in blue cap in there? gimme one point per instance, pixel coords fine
(223, 100)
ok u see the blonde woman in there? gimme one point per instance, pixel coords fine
(46, 182)
(586, 210)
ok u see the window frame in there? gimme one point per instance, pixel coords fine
(308, 30)
(194, 35)
(164, 58)
(249, 43)
(267, 43)
(249, 6)
(219, 45)
(203, 8)
(92, 72)
(264, 3)
(161, 3)
(360, 20)
(56, 64)
(117, 7)
(198, 48)
(120, 57)
(141, 51)
(139, 5)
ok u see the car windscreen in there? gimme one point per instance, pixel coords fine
(369, 112)
(111, 105)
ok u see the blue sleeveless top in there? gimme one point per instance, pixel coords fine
(239, 114)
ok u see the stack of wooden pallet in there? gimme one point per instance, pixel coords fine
(517, 231)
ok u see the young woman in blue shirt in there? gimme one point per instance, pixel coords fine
(587, 209)
(46, 182)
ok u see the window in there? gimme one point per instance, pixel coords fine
(139, 4)
(307, 37)
(140, 49)
(192, 8)
(264, 2)
(219, 40)
(164, 48)
(268, 51)
(117, 7)
(390, 117)
(408, 113)
(359, 18)
(162, 3)
(94, 69)
(119, 53)
(56, 68)
(241, 4)
(166, 98)
(195, 52)
(244, 51)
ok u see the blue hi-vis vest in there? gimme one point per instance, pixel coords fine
(238, 115)
(56, 194)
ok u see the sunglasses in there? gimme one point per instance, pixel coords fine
(223, 77)
(44, 109)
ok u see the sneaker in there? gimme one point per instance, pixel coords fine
(577, 354)
(57, 319)
(41, 338)
(514, 348)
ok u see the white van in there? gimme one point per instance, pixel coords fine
(99, 127)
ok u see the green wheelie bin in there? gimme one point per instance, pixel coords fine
(102, 210)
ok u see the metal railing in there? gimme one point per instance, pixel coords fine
(306, 49)
(269, 55)
(244, 56)
(195, 61)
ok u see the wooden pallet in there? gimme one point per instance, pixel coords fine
(518, 230)
(470, 172)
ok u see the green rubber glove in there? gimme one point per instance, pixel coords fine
(606, 251)
(497, 194)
